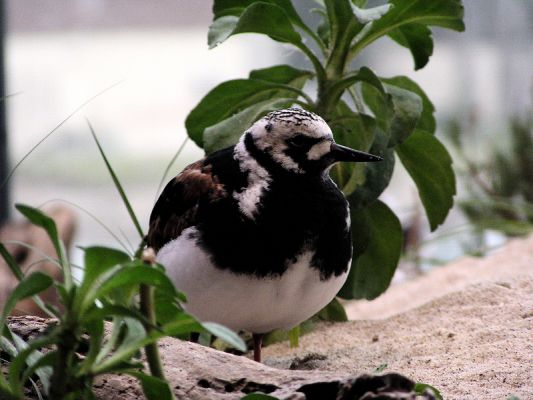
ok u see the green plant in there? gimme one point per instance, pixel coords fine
(385, 116)
(499, 195)
(107, 292)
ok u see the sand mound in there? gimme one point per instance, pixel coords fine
(472, 343)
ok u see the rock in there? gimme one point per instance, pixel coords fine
(197, 372)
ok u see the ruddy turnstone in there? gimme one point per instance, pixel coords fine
(257, 235)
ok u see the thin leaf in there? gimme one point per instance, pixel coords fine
(34, 283)
(8, 177)
(294, 336)
(38, 218)
(225, 334)
(169, 165)
(117, 184)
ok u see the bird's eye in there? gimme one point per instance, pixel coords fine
(297, 141)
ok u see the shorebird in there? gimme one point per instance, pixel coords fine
(257, 235)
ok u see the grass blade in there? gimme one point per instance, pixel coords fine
(94, 217)
(117, 184)
(172, 161)
(53, 130)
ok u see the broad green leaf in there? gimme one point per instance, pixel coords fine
(356, 131)
(166, 307)
(32, 284)
(427, 119)
(366, 15)
(407, 109)
(225, 334)
(98, 260)
(376, 178)
(153, 388)
(283, 74)
(236, 8)
(221, 29)
(135, 275)
(377, 242)
(429, 164)
(417, 38)
(259, 17)
(334, 311)
(442, 13)
(380, 103)
(181, 325)
(113, 310)
(223, 101)
(227, 132)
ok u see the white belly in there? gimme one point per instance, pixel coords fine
(245, 302)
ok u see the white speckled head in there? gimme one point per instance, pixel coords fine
(280, 130)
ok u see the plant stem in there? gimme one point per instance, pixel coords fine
(62, 381)
(147, 309)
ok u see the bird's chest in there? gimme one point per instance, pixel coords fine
(289, 218)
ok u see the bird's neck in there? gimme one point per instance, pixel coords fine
(251, 159)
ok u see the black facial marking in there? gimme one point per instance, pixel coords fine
(268, 127)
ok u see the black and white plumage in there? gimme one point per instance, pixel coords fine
(257, 235)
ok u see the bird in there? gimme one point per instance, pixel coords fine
(257, 235)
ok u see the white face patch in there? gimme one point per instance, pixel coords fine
(319, 150)
(258, 181)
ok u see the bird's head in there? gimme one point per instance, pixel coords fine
(298, 141)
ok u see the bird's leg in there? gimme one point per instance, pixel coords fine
(194, 337)
(258, 342)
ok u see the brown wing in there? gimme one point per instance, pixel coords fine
(177, 207)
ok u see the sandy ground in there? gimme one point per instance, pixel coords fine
(466, 328)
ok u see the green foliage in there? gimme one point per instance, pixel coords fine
(107, 292)
(498, 188)
(421, 388)
(385, 116)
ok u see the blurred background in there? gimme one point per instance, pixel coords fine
(148, 65)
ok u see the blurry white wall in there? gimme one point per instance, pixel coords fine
(60, 53)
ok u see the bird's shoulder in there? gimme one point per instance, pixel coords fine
(177, 206)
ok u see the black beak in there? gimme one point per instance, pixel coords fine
(343, 153)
